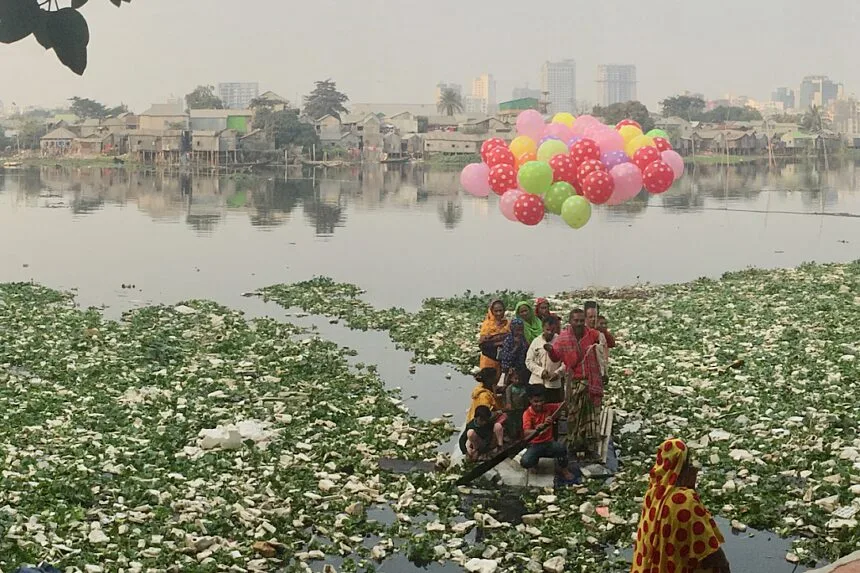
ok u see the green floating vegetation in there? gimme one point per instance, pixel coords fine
(443, 331)
(777, 433)
(103, 462)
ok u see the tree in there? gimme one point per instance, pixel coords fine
(117, 110)
(450, 102)
(786, 118)
(325, 100)
(284, 128)
(634, 110)
(203, 97)
(812, 121)
(64, 30)
(30, 132)
(730, 113)
(86, 108)
(687, 107)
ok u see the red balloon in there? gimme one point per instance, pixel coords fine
(490, 145)
(563, 169)
(503, 178)
(624, 122)
(645, 156)
(583, 150)
(500, 156)
(662, 144)
(587, 168)
(658, 177)
(529, 209)
(598, 187)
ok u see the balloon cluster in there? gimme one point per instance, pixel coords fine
(566, 166)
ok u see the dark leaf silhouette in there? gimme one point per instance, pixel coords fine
(18, 19)
(70, 35)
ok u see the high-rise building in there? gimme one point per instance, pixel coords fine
(526, 92)
(483, 98)
(785, 96)
(442, 86)
(558, 79)
(817, 90)
(616, 83)
(238, 95)
(846, 115)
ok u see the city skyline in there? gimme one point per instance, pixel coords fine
(169, 62)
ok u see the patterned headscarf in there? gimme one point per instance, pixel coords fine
(515, 348)
(675, 532)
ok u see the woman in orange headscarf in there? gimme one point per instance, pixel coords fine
(676, 533)
(494, 330)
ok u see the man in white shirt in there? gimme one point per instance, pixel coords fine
(544, 371)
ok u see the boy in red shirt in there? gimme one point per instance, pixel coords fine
(538, 417)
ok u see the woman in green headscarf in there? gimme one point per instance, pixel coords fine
(533, 325)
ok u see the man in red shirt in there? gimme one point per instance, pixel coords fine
(538, 417)
(578, 347)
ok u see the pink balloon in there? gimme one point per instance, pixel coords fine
(675, 161)
(507, 202)
(558, 130)
(608, 140)
(582, 123)
(628, 183)
(475, 179)
(530, 122)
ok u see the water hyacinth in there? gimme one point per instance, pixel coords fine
(187, 438)
(757, 370)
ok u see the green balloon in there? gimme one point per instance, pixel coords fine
(576, 211)
(535, 177)
(557, 195)
(658, 133)
(550, 148)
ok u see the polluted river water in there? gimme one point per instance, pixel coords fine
(124, 239)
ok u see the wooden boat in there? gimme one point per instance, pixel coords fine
(12, 165)
(395, 160)
(509, 472)
(336, 163)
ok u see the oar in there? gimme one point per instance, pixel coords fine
(511, 450)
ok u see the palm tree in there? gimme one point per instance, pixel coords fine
(815, 123)
(450, 102)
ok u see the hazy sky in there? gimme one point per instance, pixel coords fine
(396, 51)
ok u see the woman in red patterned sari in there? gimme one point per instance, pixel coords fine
(676, 533)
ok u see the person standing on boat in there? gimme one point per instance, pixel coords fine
(542, 312)
(545, 372)
(592, 311)
(494, 330)
(577, 347)
(533, 326)
(603, 328)
(513, 354)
